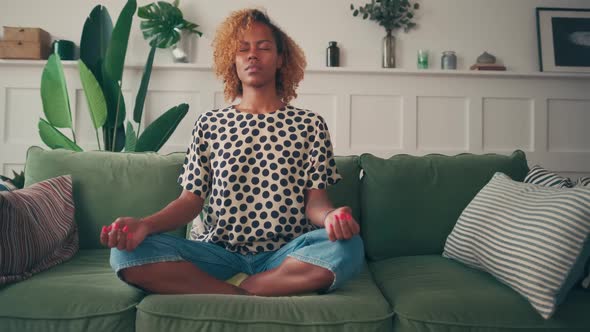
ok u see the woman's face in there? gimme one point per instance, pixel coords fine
(257, 59)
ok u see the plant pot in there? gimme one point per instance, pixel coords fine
(181, 51)
(388, 50)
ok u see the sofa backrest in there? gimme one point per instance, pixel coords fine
(409, 204)
(107, 185)
(347, 190)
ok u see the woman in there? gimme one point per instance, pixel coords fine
(265, 167)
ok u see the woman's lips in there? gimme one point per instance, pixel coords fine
(253, 68)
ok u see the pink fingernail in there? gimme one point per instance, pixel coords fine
(125, 229)
(109, 228)
(104, 229)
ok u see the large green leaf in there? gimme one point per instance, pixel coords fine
(95, 39)
(145, 81)
(115, 101)
(54, 139)
(163, 23)
(54, 94)
(131, 139)
(159, 131)
(94, 96)
(108, 138)
(114, 63)
(121, 138)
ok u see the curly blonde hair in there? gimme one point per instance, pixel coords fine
(225, 46)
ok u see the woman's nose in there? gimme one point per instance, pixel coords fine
(252, 54)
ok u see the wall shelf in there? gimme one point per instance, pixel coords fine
(340, 70)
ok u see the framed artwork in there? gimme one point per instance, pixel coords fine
(563, 36)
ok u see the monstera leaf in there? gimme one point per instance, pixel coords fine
(163, 23)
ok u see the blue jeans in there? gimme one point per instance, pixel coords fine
(343, 257)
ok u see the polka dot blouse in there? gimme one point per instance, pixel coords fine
(254, 169)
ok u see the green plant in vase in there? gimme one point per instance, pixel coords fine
(165, 27)
(392, 15)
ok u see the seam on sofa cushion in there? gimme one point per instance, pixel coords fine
(425, 321)
(241, 321)
(132, 307)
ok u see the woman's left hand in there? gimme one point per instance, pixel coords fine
(340, 225)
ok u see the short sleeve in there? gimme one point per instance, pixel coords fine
(322, 171)
(195, 175)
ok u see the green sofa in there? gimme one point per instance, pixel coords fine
(406, 206)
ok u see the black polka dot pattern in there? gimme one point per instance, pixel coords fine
(254, 169)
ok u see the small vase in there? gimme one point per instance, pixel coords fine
(389, 50)
(182, 49)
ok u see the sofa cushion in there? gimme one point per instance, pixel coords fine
(532, 238)
(108, 185)
(37, 228)
(82, 294)
(432, 293)
(410, 204)
(357, 306)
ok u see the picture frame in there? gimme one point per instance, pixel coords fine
(563, 36)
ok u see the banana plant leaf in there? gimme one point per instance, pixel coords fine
(131, 139)
(116, 110)
(163, 23)
(94, 96)
(159, 131)
(145, 81)
(114, 62)
(54, 139)
(96, 35)
(108, 133)
(54, 94)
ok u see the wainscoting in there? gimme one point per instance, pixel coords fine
(378, 111)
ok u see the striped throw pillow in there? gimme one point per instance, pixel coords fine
(540, 176)
(530, 237)
(37, 228)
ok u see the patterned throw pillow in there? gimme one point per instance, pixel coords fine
(530, 237)
(37, 228)
(540, 176)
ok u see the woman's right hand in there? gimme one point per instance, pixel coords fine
(125, 233)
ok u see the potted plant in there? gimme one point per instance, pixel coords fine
(164, 27)
(392, 15)
(102, 57)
